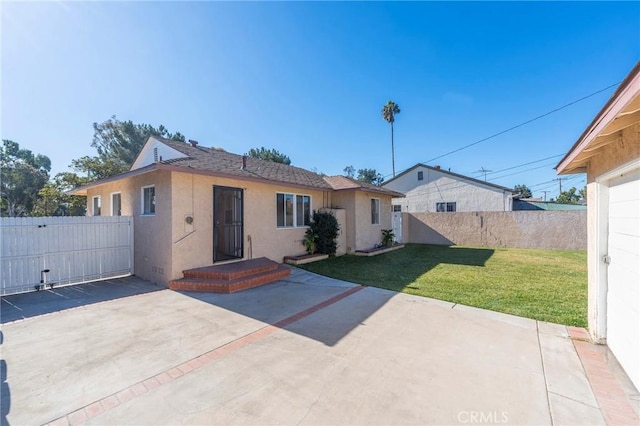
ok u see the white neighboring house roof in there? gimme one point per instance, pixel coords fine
(622, 110)
(474, 181)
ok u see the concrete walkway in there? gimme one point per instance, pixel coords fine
(305, 350)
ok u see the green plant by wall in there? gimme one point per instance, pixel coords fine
(309, 241)
(387, 237)
(325, 227)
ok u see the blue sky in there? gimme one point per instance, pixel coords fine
(310, 79)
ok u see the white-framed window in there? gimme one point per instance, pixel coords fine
(149, 200)
(375, 211)
(396, 208)
(116, 204)
(292, 210)
(420, 175)
(446, 207)
(97, 204)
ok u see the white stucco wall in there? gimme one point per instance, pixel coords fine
(441, 187)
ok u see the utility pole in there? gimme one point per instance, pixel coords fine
(545, 195)
(485, 171)
(560, 183)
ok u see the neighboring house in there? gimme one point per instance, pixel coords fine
(609, 152)
(526, 204)
(431, 189)
(193, 206)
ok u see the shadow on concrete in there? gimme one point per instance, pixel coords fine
(26, 305)
(303, 295)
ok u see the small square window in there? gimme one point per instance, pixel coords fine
(420, 175)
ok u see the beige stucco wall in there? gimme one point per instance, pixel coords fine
(193, 245)
(360, 233)
(165, 244)
(347, 201)
(527, 229)
(152, 238)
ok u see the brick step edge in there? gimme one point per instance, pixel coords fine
(211, 273)
(230, 286)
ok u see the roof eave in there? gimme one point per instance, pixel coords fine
(623, 94)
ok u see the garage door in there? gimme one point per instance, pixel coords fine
(623, 298)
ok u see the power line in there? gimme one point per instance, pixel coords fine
(526, 164)
(526, 122)
(520, 125)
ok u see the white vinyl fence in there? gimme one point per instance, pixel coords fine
(45, 252)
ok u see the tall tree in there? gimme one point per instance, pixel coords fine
(269, 155)
(370, 176)
(22, 175)
(523, 190)
(389, 112)
(118, 143)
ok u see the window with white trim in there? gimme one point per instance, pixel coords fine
(397, 208)
(293, 210)
(446, 207)
(375, 211)
(96, 205)
(149, 200)
(116, 204)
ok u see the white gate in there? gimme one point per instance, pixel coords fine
(42, 252)
(396, 226)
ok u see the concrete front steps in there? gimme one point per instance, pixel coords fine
(231, 277)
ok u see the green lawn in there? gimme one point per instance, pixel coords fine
(547, 285)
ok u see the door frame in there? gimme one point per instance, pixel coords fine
(216, 227)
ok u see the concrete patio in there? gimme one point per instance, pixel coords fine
(304, 350)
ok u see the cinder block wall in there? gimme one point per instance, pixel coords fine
(564, 230)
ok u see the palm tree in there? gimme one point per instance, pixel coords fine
(389, 112)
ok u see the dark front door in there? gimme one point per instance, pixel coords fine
(227, 223)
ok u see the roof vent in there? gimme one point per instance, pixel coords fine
(436, 167)
(193, 143)
(244, 162)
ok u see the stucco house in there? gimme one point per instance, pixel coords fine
(195, 206)
(609, 152)
(431, 189)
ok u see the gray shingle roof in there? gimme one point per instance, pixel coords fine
(341, 183)
(218, 161)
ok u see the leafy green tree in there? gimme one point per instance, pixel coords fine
(349, 171)
(389, 112)
(523, 190)
(583, 193)
(53, 199)
(118, 143)
(269, 155)
(22, 175)
(370, 176)
(568, 197)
